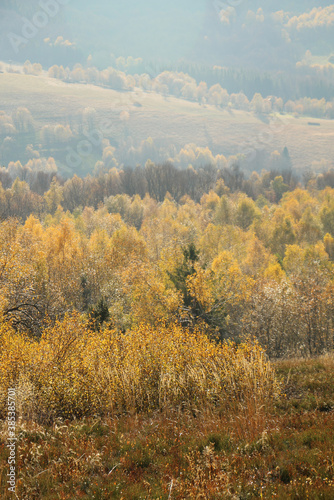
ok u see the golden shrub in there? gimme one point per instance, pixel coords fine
(73, 371)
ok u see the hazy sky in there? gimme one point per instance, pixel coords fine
(206, 31)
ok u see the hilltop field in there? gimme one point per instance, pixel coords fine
(169, 120)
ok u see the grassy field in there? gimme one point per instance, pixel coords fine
(168, 120)
(286, 452)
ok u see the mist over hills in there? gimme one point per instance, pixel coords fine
(270, 36)
(238, 63)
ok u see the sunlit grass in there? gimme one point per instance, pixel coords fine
(74, 372)
(184, 445)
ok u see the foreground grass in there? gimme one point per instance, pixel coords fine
(283, 452)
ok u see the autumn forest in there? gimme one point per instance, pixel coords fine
(166, 250)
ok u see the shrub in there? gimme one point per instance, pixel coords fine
(74, 371)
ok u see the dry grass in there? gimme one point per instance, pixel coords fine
(173, 455)
(247, 445)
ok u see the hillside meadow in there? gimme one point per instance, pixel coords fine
(168, 120)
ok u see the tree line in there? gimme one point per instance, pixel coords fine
(25, 190)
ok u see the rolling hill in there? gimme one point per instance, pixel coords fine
(168, 120)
